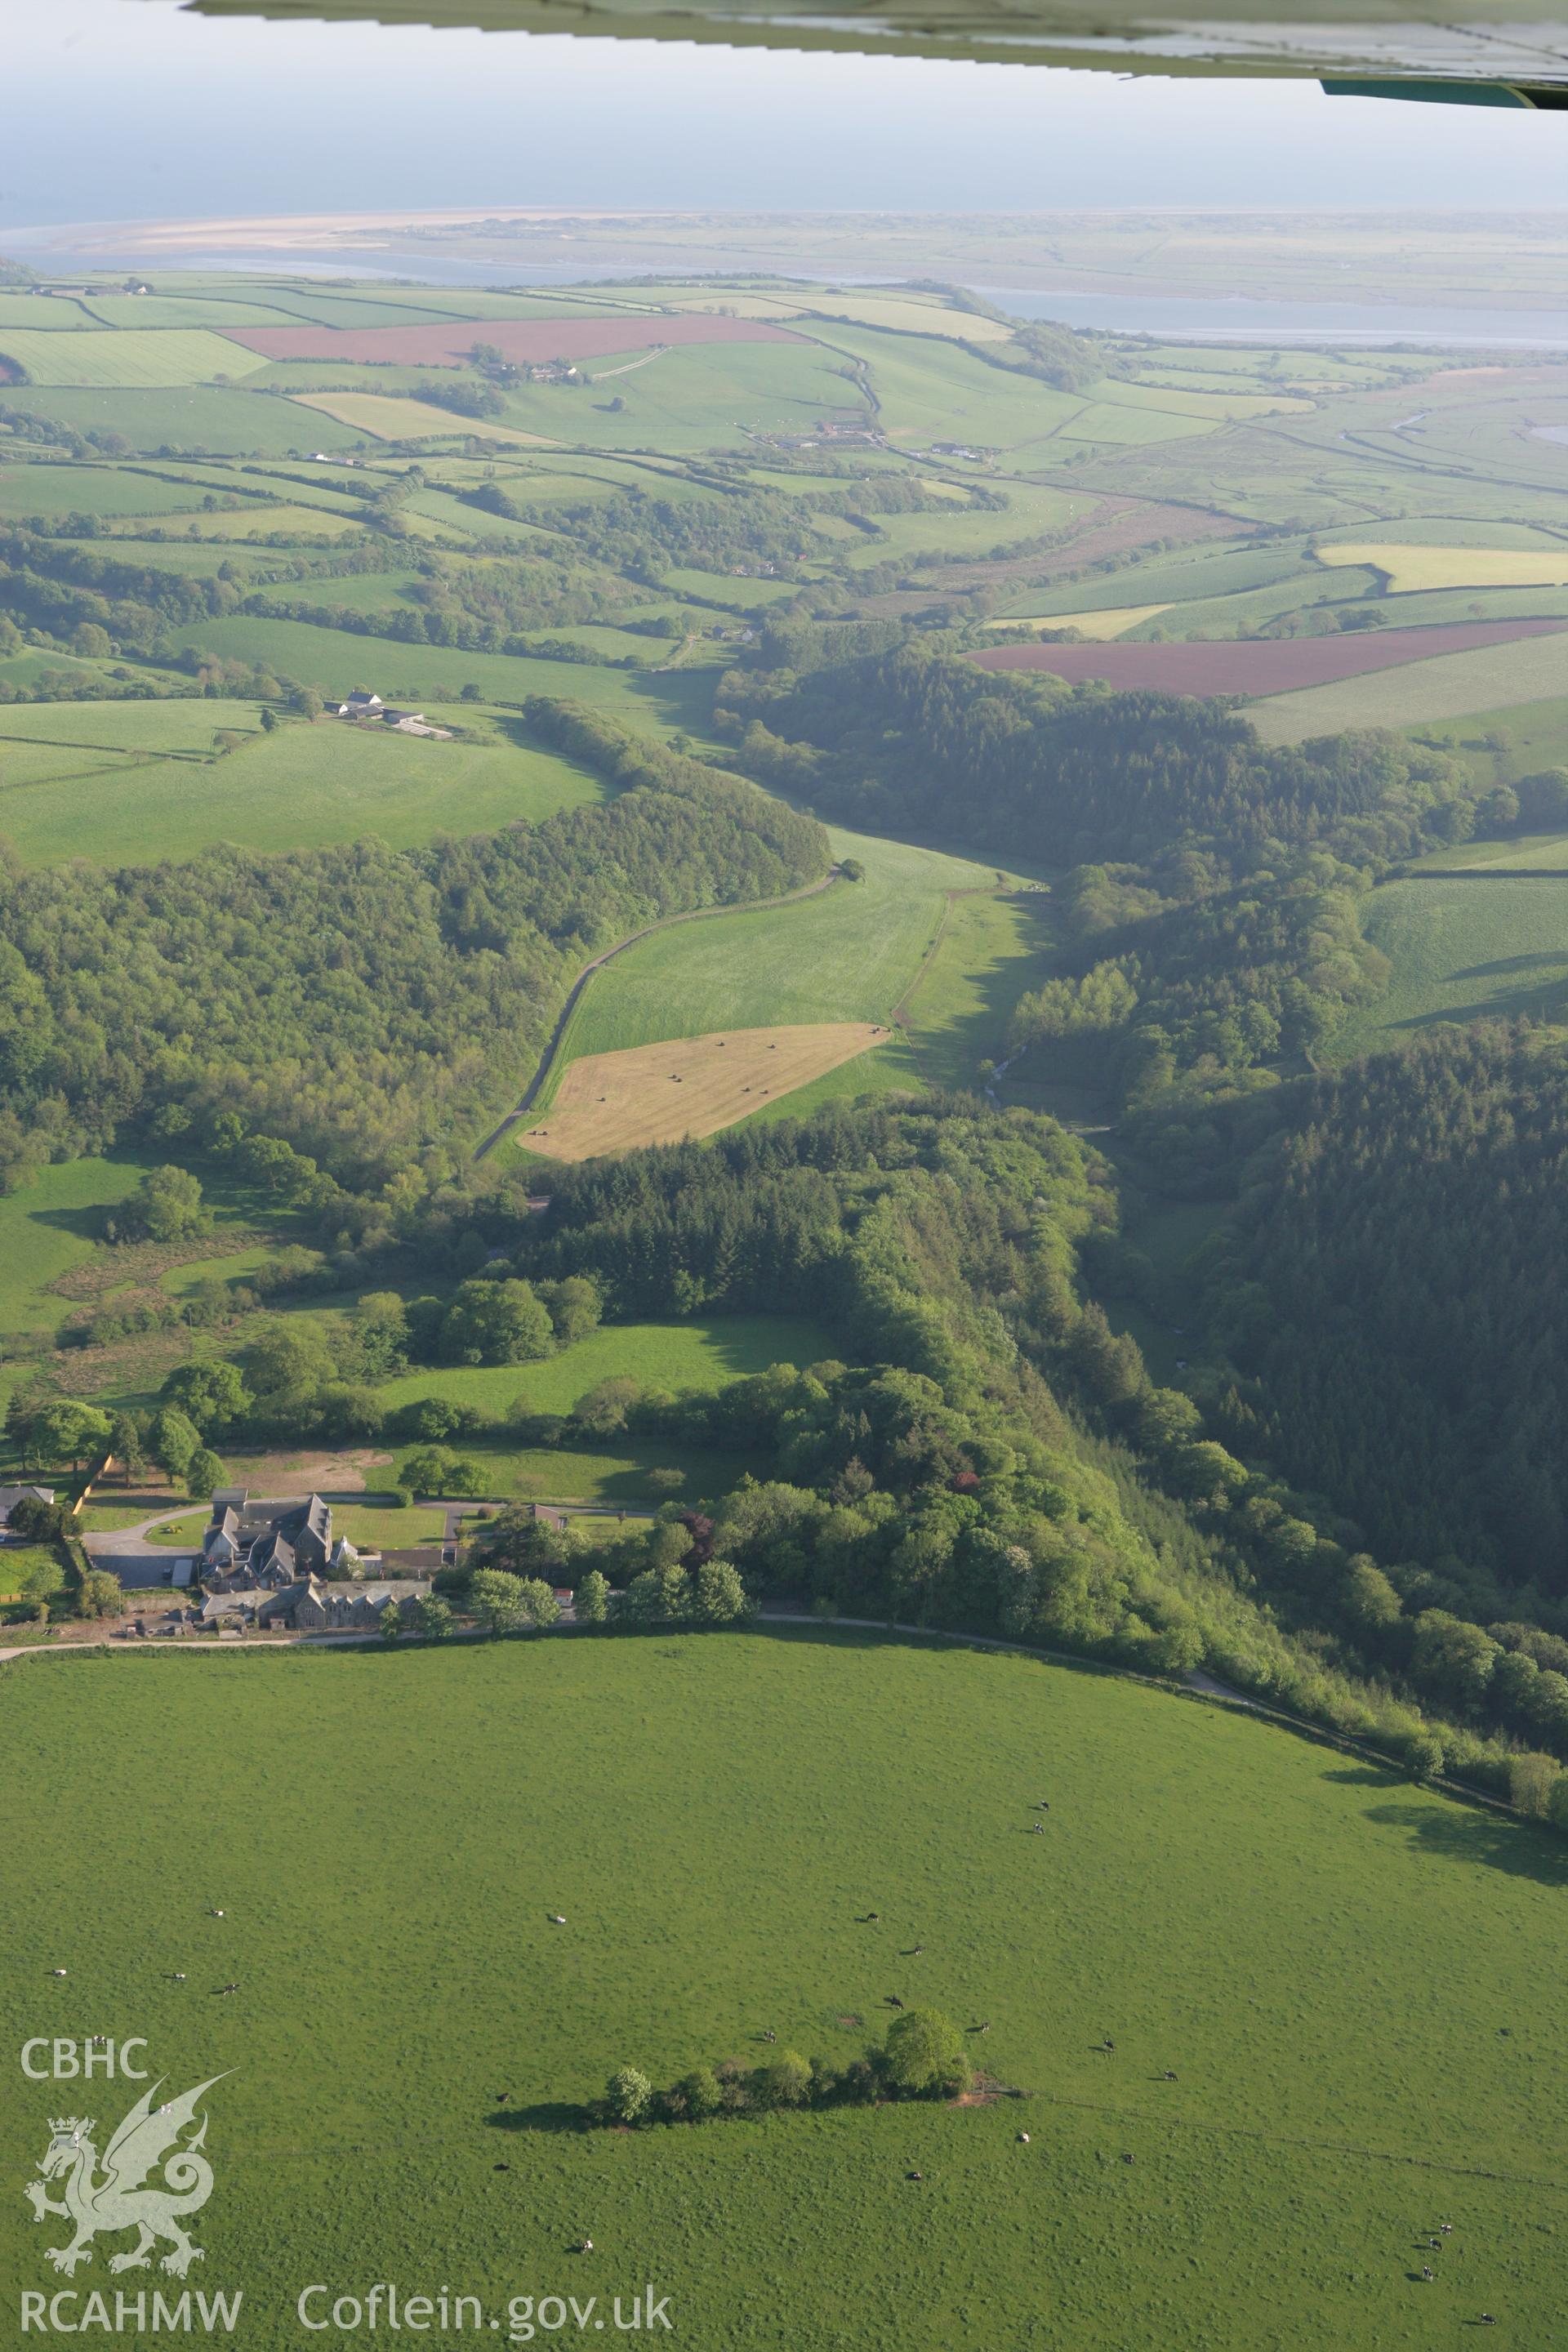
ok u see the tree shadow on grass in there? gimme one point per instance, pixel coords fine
(1367, 1776)
(544, 2115)
(1497, 1842)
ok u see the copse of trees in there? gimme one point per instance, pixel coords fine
(923, 2057)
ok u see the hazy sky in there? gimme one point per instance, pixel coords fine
(131, 108)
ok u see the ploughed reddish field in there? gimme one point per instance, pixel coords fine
(449, 343)
(1258, 665)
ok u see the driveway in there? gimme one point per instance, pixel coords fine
(126, 1553)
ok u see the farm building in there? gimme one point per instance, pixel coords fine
(414, 723)
(311, 1606)
(256, 1547)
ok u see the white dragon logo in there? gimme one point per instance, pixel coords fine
(117, 2200)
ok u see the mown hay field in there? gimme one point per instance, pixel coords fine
(713, 1818)
(687, 1086)
(849, 953)
(411, 420)
(1408, 569)
(133, 357)
(1110, 621)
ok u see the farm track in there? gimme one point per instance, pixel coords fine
(694, 915)
(899, 1015)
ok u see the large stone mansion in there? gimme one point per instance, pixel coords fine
(276, 1564)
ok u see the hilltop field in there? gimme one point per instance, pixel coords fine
(713, 1820)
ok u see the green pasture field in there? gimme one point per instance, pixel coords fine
(50, 1226)
(940, 392)
(53, 312)
(1425, 608)
(194, 559)
(54, 1225)
(53, 488)
(1447, 531)
(284, 482)
(29, 668)
(1534, 850)
(993, 948)
(849, 954)
(1218, 408)
(662, 704)
(1114, 423)
(1464, 949)
(736, 596)
(713, 1818)
(1451, 685)
(973, 532)
(141, 310)
(97, 357)
(181, 723)
(473, 523)
(1170, 579)
(43, 764)
(693, 397)
(255, 521)
(298, 788)
(364, 592)
(700, 1355)
(614, 1472)
(1230, 617)
(1534, 736)
(212, 417)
